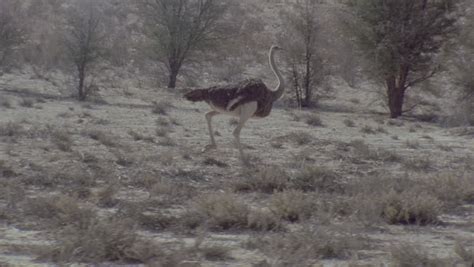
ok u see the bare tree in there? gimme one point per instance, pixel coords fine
(401, 39)
(84, 41)
(11, 30)
(463, 70)
(301, 34)
(179, 27)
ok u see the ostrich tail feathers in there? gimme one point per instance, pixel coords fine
(195, 95)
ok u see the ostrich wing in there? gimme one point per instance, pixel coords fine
(231, 96)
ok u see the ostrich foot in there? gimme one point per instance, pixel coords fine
(209, 147)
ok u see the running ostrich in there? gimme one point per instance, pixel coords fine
(247, 99)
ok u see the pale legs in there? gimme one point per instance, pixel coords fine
(209, 116)
(246, 111)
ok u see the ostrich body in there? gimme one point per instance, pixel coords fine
(247, 99)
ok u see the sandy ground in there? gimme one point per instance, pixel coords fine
(268, 142)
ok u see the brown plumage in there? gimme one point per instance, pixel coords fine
(231, 96)
(246, 99)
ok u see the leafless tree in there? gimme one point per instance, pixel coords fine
(301, 37)
(84, 41)
(11, 30)
(178, 28)
(401, 38)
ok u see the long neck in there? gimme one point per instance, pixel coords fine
(278, 91)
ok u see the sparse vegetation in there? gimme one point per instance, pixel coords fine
(292, 205)
(349, 123)
(127, 178)
(220, 211)
(27, 102)
(160, 108)
(300, 138)
(314, 120)
(307, 246)
(269, 179)
(11, 129)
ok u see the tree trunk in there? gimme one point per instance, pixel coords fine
(396, 95)
(296, 86)
(172, 78)
(81, 92)
(307, 81)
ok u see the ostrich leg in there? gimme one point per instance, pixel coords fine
(209, 116)
(246, 112)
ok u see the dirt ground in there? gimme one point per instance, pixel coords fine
(141, 148)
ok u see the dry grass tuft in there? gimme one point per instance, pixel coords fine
(300, 138)
(58, 211)
(306, 247)
(96, 241)
(160, 108)
(107, 139)
(314, 120)
(62, 139)
(221, 211)
(395, 201)
(5, 102)
(215, 253)
(361, 150)
(349, 123)
(106, 197)
(141, 137)
(267, 180)
(366, 129)
(27, 102)
(466, 255)
(263, 220)
(419, 164)
(412, 255)
(317, 179)
(410, 207)
(292, 205)
(11, 129)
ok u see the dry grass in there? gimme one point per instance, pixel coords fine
(160, 108)
(408, 201)
(11, 129)
(362, 151)
(221, 211)
(307, 246)
(27, 102)
(410, 207)
(452, 189)
(263, 220)
(466, 254)
(105, 138)
(216, 253)
(6, 103)
(349, 123)
(57, 211)
(318, 179)
(292, 205)
(98, 241)
(366, 129)
(314, 120)
(106, 197)
(412, 144)
(419, 164)
(407, 255)
(269, 179)
(300, 138)
(62, 139)
(141, 137)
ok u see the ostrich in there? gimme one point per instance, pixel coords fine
(247, 99)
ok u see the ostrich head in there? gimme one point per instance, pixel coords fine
(276, 48)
